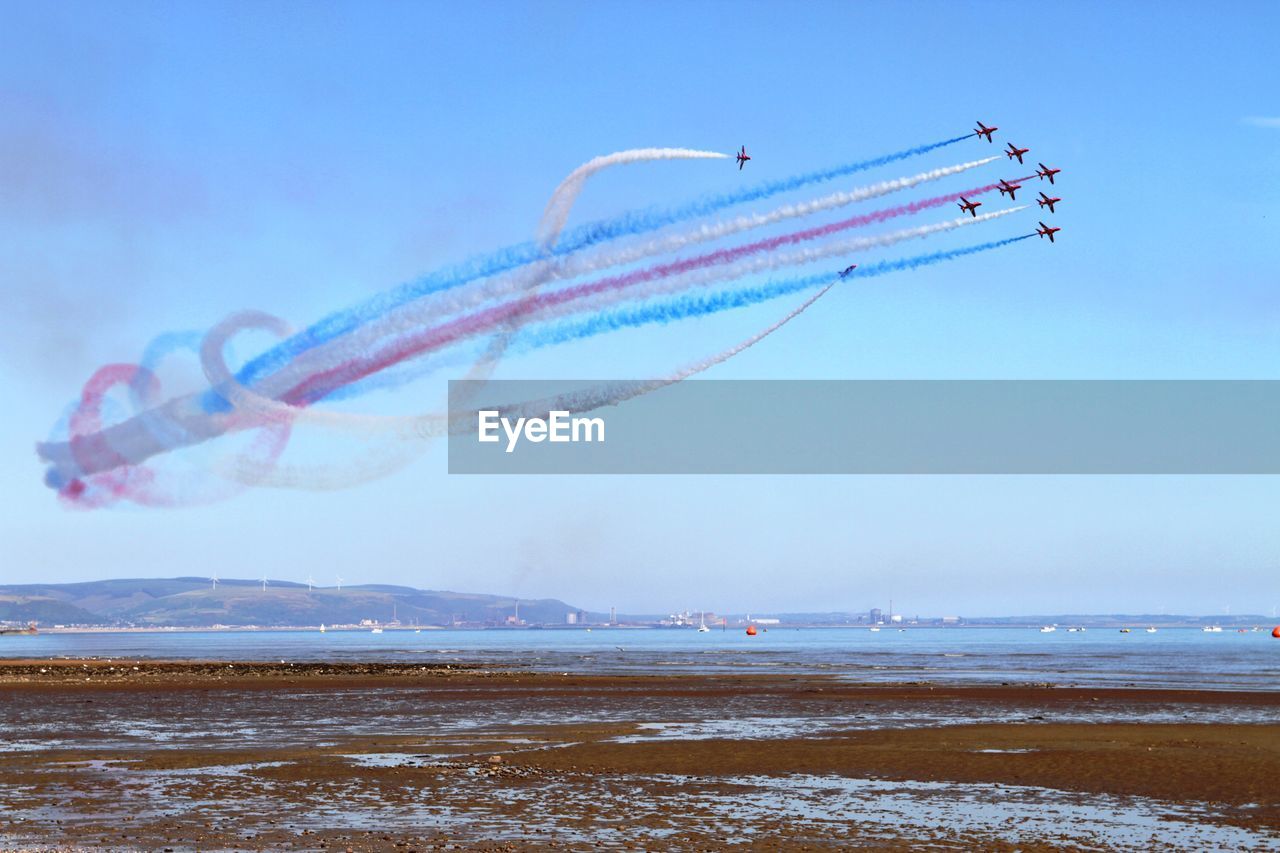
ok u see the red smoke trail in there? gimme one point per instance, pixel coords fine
(320, 384)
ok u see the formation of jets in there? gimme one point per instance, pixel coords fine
(1009, 188)
(743, 157)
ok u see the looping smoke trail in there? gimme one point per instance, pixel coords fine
(232, 404)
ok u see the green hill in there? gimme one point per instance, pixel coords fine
(190, 602)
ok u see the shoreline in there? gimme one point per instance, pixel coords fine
(129, 672)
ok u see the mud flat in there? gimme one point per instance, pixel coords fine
(208, 756)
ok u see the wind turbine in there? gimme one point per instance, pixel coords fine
(214, 580)
(264, 583)
(310, 583)
(339, 580)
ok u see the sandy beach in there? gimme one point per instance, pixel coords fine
(146, 755)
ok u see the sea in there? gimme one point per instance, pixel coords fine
(1170, 657)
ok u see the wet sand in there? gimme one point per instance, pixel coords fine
(100, 755)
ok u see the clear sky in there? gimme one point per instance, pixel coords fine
(165, 164)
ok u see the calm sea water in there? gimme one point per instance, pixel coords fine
(1172, 657)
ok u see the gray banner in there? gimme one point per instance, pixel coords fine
(866, 427)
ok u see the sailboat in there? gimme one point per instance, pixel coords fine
(321, 627)
(702, 623)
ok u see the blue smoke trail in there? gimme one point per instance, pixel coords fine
(503, 260)
(703, 304)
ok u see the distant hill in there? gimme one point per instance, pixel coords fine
(189, 602)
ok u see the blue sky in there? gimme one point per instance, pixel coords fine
(163, 165)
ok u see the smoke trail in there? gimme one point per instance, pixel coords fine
(562, 200)
(583, 237)
(320, 384)
(419, 312)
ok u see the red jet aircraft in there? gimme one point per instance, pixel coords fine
(844, 272)
(970, 207)
(742, 158)
(1045, 201)
(1015, 151)
(1045, 172)
(982, 130)
(1009, 189)
(1046, 231)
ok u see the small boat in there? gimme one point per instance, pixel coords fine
(1124, 631)
(1047, 629)
(321, 627)
(873, 628)
(1151, 630)
(376, 631)
(702, 625)
(1074, 630)
(1212, 629)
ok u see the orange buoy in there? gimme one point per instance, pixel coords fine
(751, 631)
(1275, 632)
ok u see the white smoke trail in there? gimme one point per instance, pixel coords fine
(562, 200)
